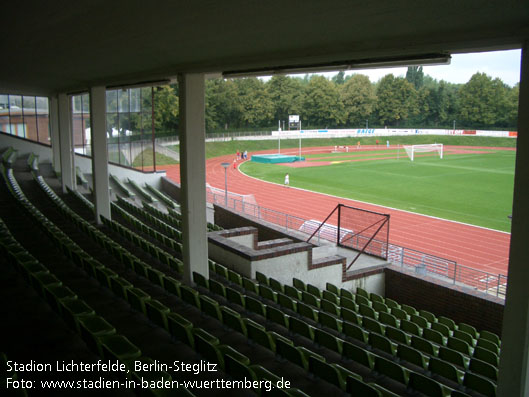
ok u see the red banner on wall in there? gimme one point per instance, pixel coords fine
(469, 132)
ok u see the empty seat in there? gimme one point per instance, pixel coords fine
(312, 289)
(382, 343)
(469, 329)
(392, 370)
(267, 293)
(412, 356)
(411, 328)
(307, 311)
(348, 304)
(157, 312)
(459, 345)
(358, 387)
(234, 277)
(362, 292)
(351, 316)
(399, 313)
(289, 352)
(189, 295)
(454, 357)
(434, 336)
(330, 321)
(419, 320)
(427, 386)
(376, 298)
(275, 285)
(380, 307)
(310, 299)
(330, 307)
(258, 334)
(362, 300)
(277, 316)
(233, 320)
(424, 345)
(118, 347)
(448, 322)
(483, 368)
(464, 336)
(491, 336)
(261, 278)
(330, 296)
(327, 340)
(358, 354)
(255, 305)
(388, 319)
(345, 293)
(367, 311)
(355, 331)
(301, 328)
(292, 292)
(250, 285)
(286, 301)
(445, 369)
(332, 288)
(480, 384)
(327, 372)
(487, 344)
(442, 328)
(372, 325)
(234, 296)
(296, 282)
(200, 280)
(486, 355)
(398, 335)
(428, 316)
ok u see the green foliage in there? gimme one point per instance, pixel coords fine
(397, 100)
(359, 99)
(321, 104)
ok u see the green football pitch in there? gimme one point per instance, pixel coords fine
(473, 187)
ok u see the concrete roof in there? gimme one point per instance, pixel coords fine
(67, 46)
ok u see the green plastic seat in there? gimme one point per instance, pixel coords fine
(189, 295)
(290, 353)
(380, 307)
(424, 345)
(411, 328)
(392, 304)
(327, 372)
(157, 312)
(300, 327)
(428, 316)
(345, 293)
(427, 386)
(372, 325)
(464, 336)
(388, 319)
(330, 296)
(172, 285)
(382, 343)
(454, 357)
(255, 306)
(267, 293)
(119, 286)
(362, 292)
(72, 309)
(234, 277)
(286, 301)
(312, 289)
(181, 329)
(348, 304)
(330, 307)
(327, 340)
(459, 345)
(233, 320)
(275, 285)
(310, 299)
(392, 370)
(250, 285)
(156, 276)
(442, 328)
(362, 300)
(355, 331)
(448, 322)
(367, 311)
(200, 280)
(434, 336)
(469, 329)
(292, 292)
(92, 328)
(358, 355)
(446, 370)
(221, 270)
(307, 311)
(398, 335)
(413, 356)
(210, 307)
(486, 344)
(376, 298)
(217, 288)
(277, 316)
(350, 316)
(235, 296)
(299, 284)
(409, 309)
(118, 347)
(480, 384)
(330, 321)
(53, 293)
(399, 313)
(261, 278)
(484, 369)
(419, 320)
(490, 336)
(486, 355)
(258, 334)
(332, 288)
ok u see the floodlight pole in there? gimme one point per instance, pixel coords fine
(225, 165)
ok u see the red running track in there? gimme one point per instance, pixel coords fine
(468, 245)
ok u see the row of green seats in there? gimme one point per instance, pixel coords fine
(146, 229)
(124, 190)
(147, 246)
(133, 209)
(166, 217)
(169, 202)
(9, 156)
(81, 198)
(142, 191)
(410, 346)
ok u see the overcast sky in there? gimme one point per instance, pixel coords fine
(502, 64)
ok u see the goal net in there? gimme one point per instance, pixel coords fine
(412, 150)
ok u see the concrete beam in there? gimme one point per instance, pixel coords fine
(66, 143)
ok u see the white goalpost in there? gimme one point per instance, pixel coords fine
(432, 147)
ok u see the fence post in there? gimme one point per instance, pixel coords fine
(498, 287)
(402, 257)
(455, 273)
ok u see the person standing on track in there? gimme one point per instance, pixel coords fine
(287, 180)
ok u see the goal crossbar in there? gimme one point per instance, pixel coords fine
(432, 147)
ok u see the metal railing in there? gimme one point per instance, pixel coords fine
(421, 263)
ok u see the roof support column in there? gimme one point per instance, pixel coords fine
(98, 132)
(514, 365)
(193, 174)
(66, 143)
(54, 133)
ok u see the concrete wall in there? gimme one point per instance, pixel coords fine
(478, 309)
(25, 147)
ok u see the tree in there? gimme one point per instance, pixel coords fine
(255, 102)
(339, 78)
(286, 95)
(482, 101)
(396, 100)
(415, 75)
(322, 106)
(359, 99)
(166, 108)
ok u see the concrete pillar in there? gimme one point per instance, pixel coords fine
(66, 143)
(54, 133)
(514, 376)
(99, 152)
(193, 174)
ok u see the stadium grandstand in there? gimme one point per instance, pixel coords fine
(117, 280)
